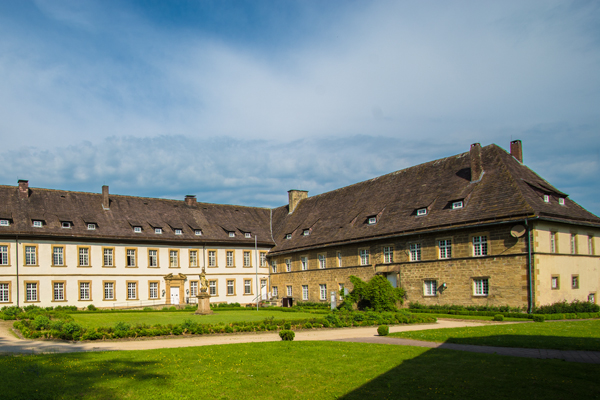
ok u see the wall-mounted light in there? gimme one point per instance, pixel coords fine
(444, 285)
(164, 292)
(187, 291)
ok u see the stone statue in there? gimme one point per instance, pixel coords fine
(203, 296)
(203, 282)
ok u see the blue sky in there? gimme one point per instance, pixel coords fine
(240, 101)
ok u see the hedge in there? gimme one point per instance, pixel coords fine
(510, 314)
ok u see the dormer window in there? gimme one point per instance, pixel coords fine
(4, 222)
(546, 198)
(421, 211)
(306, 232)
(198, 232)
(65, 224)
(561, 201)
(231, 234)
(158, 231)
(288, 235)
(247, 235)
(37, 224)
(372, 220)
(178, 232)
(91, 227)
(457, 204)
(137, 229)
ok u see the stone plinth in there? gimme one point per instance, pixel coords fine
(203, 304)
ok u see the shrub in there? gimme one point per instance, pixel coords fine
(562, 307)
(228, 329)
(177, 330)
(378, 294)
(287, 335)
(287, 326)
(91, 307)
(539, 318)
(498, 317)
(307, 325)
(41, 322)
(122, 327)
(383, 330)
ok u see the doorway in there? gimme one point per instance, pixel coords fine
(174, 295)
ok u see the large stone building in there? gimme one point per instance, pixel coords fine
(476, 228)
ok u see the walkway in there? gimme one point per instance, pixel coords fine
(9, 344)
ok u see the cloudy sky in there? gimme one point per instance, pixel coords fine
(240, 101)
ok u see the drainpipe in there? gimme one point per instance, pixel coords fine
(17, 265)
(529, 271)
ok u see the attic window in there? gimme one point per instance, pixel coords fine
(231, 234)
(288, 235)
(457, 204)
(306, 232)
(178, 232)
(546, 198)
(198, 232)
(158, 231)
(247, 235)
(561, 201)
(37, 224)
(422, 211)
(4, 222)
(137, 229)
(91, 227)
(372, 220)
(65, 224)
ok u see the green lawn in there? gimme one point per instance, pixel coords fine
(563, 335)
(293, 370)
(94, 320)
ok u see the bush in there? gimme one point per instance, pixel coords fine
(91, 307)
(122, 327)
(563, 307)
(41, 322)
(498, 317)
(307, 325)
(383, 330)
(539, 318)
(287, 326)
(378, 294)
(287, 335)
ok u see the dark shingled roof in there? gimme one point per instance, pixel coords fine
(508, 190)
(54, 206)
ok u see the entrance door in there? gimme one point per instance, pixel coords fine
(392, 279)
(174, 295)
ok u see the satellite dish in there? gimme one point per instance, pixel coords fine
(517, 231)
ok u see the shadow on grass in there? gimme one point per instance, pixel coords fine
(531, 342)
(439, 373)
(72, 376)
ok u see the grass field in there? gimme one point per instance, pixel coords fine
(94, 320)
(562, 335)
(293, 370)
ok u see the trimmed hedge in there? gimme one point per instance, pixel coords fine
(510, 314)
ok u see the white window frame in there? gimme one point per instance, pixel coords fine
(130, 258)
(212, 258)
(58, 291)
(304, 292)
(456, 205)
(84, 256)
(372, 220)
(388, 254)
(341, 291)
(158, 231)
(263, 259)
(230, 287)
(288, 265)
(247, 235)
(421, 212)
(31, 289)
(289, 290)
(91, 227)
(131, 290)
(430, 287)
(481, 287)
(561, 201)
(198, 232)
(288, 236)
(306, 232)
(552, 242)
(65, 225)
(555, 282)
(274, 266)
(322, 291)
(137, 229)
(364, 256)
(247, 286)
(109, 290)
(193, 258)
(480, 246)
(231, 234)
(4, 292)
(415, 251)
(38, 224)
(247, 259)
(4, 255)
(212, 288)
(546, 198)
(4, 222)
(445, 246)
(58, 256)
(173, 259)
(152, 258)
(178, 232)
(275, 291)
(84, 291)
(304, 263)
(30, 255)
(322, 261)
(229, 258)
(153, 290)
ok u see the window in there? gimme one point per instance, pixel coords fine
(304, 292)
(561, 201)
(58, 256)
(109, 290)
(108, 257)
(130, 257)
(415, 252)
(457, 204)
(275, 291)
(445, 246)
(555, 282)
(339, 259)
(193, 258)
(131, 290)
(430, 287)
(194, 288)
(91, 227)
(229, 258)
(247, 286)
(263, 283)
(574, 281)
(590, 245)
(288, 235)
(158, 231)
(322, 261)
(372, 220)
(84, 291)
(65, 224)
(274, 266)
(306, 232)
(546, 198)
(421, 211)
(247, 259)
(59, 291)
(304, 263)
(289, 291)
(364, 256)
(173, 258)
(247, 235)
(323, 292)
(552, 242)
(592, 298)
(231, 234)
(153, 258)
(137, 229)
(198, 232)
(37, 224)
(480, 246)
(3, 255)
(481, 287)
(263, 259)
(178, 232)
(212, 288)
(288, 265)
(573, 243)
(388, 254)
(230, 287)
(31, 290)
(4, 292)
(153, 290)
(4, 222)
(30, 255)
(212, 258)
(84, 256)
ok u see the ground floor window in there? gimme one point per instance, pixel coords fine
(154, 290)
(32, 291)
(131, 290)
(212, 288)
(323, 292)
(304, 292)
(59, 291)
(4, 292)
(230, 287)
(84, 290)
(194, 288)
(289, 291)
(430, 287)
(109, 290)
(275, 291)
(247, 286)
(481, 287)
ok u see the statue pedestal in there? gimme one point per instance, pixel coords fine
(203, 304)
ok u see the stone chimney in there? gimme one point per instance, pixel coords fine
(295, 196)
(516, 150)
(105, 199)
(476, 164)
(23, 189)
(190, 200)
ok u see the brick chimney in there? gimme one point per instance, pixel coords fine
(294, 198)
(105, 199)
(476, 164)
(516, 150)
(190, 199)
(23, 189)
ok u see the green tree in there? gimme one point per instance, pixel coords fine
(378, 294)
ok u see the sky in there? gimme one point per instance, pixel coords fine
(238, 102)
